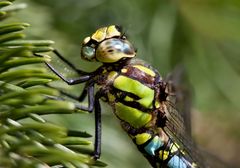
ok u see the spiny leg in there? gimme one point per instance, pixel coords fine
(81, 79)
(85, 76)
(77, 80)
(98, 126)
(91, 98)
(88, 91)
(83, 95)
(93, 101)
(55, 51)
(80, 98)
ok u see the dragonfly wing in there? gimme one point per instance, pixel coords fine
(177, 133)
(179, 89)
(177, 108)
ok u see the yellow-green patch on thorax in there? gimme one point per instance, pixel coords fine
(145, 69)
(135, 87)
(133, 116)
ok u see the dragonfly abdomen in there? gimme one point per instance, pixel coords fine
(161, 151)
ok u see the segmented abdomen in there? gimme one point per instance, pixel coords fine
(161, 151)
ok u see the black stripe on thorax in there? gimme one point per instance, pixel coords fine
(136, 105)
(121, 95)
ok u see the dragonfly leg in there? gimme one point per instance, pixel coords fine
(78, 80)
(98, 126)
(85, 76)
(83, 95)
(91, 99)
(93, 103)
(88, 91)
(55, 51)
(80, 98)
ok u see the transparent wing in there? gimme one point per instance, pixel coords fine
(178, 126)
(177, 108)
(176, 130)
(179, 90)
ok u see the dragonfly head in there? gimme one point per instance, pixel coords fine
(107, 45)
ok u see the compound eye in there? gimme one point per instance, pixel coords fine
(113, 50)
(88, 52)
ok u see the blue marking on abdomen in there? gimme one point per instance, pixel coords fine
(177, 162)
(155, 144)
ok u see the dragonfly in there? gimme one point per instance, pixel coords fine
(142, 100)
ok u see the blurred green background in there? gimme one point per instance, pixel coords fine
(204, 35)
